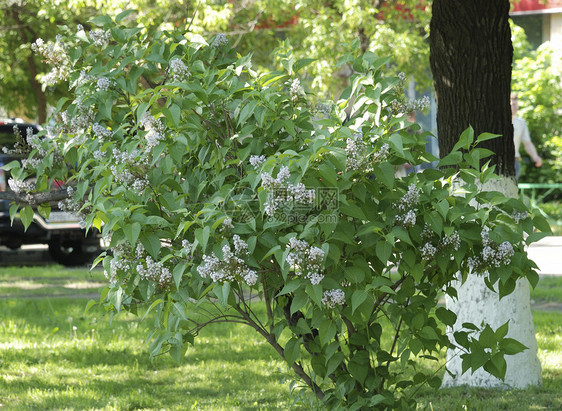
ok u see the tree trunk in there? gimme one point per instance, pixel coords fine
(471, 55)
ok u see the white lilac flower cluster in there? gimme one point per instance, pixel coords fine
(400, 107)
(334, 297)
(100, 37)
(128, 179)
(70, 205)
(101, 132)
(231, 267)
(121, 261)
(518, 216)
(220, 40)
(124, 162)
(19, 146)
(227, 224)
(155, 130)
(18, 186)
(296, 89)
(256, 161)
(149, 269)
(56, 55)
(492, 255)
(30, 163)
(180, 72)
(306, 259)
(78, 121)
(186, 248)
(104, 84)
(35, 142)
(406, 206)
(284, 193)
(428, 250)
(382, 154)
(453, 241)
(355, 152)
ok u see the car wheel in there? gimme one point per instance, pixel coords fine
(69, 253)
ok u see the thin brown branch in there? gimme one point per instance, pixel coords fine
(34, 198)
(297, 368)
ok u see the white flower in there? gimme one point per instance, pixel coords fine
(354, 152)
(18, 186)
(103, 84)
(296, 89)
(409, 219)
(99, 37)
(101, 132)
(257, 161)
(428, 251)
(180, 72)
(453, 240)
(382, 154)
(220, 40)
(333, 297)
(227, 223)
(305, 259)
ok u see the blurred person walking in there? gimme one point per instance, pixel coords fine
(521, 135)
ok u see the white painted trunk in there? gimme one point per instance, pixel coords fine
(477, 304)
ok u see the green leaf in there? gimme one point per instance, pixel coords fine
(385, 173)
(123, 15)
(246, 112)
(465, 140)
(383, 251)
(452, 159)
(26, 216)
(446, 316)
(202, 236)
(326, 331)
(511, 346)
(487, 337)
(299, 301)
(179, 269)
(152, 306)
(486, 136)
(358, 366)
(132, 232)
(334, 362)
(302, 63)
(292, 350)
(151, 243)
(358, 298)
(290, 287)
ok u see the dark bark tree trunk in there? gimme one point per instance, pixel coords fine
(471, 55)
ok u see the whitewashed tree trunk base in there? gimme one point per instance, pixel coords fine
(477, 304)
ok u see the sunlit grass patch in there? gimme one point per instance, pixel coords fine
(53, 355)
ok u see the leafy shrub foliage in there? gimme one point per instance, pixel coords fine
(217, 186)
(536, 78)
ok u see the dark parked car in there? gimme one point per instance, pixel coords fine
(67, 240)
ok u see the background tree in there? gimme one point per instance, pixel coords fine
(22, 22)
(471, 57)
(316, 28)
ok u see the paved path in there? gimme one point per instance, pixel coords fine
(547, 254)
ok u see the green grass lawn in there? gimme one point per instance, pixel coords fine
(53, 356)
